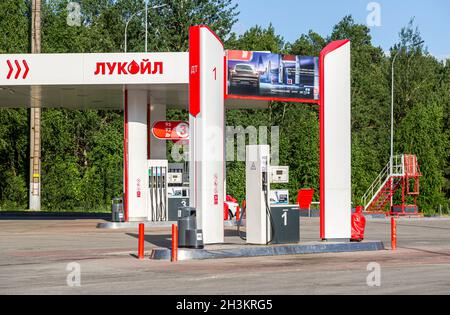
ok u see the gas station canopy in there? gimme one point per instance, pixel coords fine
(97, 81)
(197, 80)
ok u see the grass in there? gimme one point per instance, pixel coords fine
(21, 210)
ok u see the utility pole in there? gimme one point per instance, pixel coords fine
(35, 115)
(145, 11)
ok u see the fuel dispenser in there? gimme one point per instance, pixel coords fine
(178, 189)
(157, 196)
(257, 195)
(279, 175)
(267, 223)
(285, 217)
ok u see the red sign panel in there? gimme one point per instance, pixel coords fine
(194, 70)
(240, 55)
(171, 130)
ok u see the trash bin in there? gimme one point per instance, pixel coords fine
(188, 234)
(358, 225)
(117, 211)
(174, 203)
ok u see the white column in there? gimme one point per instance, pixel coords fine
(206, 107)
(335, 125)
(137, 155)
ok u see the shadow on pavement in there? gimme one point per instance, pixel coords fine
(427, 251)
(159, 240)
(165, 240)
(46, 215)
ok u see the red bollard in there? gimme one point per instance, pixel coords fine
(141, 241)
(393, 233)
(174, 242)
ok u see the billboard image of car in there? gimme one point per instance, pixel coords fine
(244, 75)
(264, 74)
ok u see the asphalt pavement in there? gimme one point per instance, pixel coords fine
(72, 256)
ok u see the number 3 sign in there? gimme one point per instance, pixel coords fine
(171, 130)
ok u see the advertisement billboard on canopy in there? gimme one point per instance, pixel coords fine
(273, 76)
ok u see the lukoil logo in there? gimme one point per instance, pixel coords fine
(125, 68)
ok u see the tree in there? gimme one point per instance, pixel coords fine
(256, 38)
(13, 158)
(170, 24)
(421, 133)
(14, 38)
(370, 105)
(82, 149)
(14, 26)
(259, 39)
(308, 45)
(421, 123)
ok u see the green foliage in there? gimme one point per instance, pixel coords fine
(370, 105)
(308, 45)
(420, 133)
(13, 158)
(421, 113)
(82, 151)
(299, 145)
(14, 26)
(61, 187)
(13, 191)
(90, 36)
(259, 39)
(421, 110)
(170, 24)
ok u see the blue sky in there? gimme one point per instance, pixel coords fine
(291, 18)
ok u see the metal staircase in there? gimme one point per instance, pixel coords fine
(384, 186)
